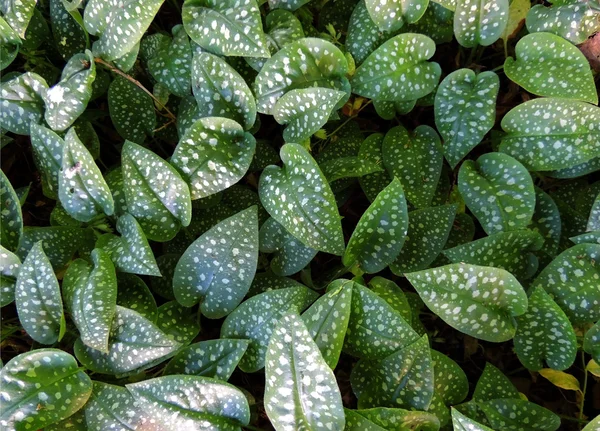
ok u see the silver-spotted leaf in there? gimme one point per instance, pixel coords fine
(391, 293)
(266, 281)
(131, 110)
(70, 36)
(11, 43)
(11, 217)
(348, 167)
(18, 13)
(112, 407)
(450, 381)
(181, 324)
(573, 21)
(594, 219)
(172, 64)
(480, 22)
(493, 384)
(371, 149)
(399, 419)
(116, 184)
(134, 294)
(290, 5)
(9, 269)
(22, 99)
(546, 221)
(591, 342)
(517, 414)
(392, 15)
(461, 422)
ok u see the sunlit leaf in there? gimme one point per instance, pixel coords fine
(480, 22)
(113, 407)
(172, 64)
(513, 413)
(570, 20)
(461, 422)
(131, 110)
(18, 13)
(391, 16)
(9, 268)
(22, 102)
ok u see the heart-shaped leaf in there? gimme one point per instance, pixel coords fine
(480, 22)
(519, 414)
(289, 195)
(391, 16)
(9, 269)
(180, 402)
(131, 110)
(40, 388)
(113, 407)
(388, 110)
(70, 37)
(465, 111)
(18, 14)
(135, 344)
(134, 294)
(22, 100)
(461, 422)
(38, 299)
(211, 358)
(178, 323)
(499, 192)
(493, 384)
(570, 20)
(300, 390)
(11, 217)
(450, 381)
(172, 64)
(255, 318)
(477, 300)
(545, 333)
(218, 267)
(546, 134)
(226, 27)
(156, 194)
(214, 154)
(82, 190)
(398, 70)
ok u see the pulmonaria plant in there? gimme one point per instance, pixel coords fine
(317, 215)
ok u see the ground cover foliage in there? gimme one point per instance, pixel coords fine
(357, 215)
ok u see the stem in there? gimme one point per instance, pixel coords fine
(569, 418)
(585, 379)
(495, 69)
(471, 56)
(138, 84)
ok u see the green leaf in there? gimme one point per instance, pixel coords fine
(86, 133)
(309, 62)
(416, 160)
(480, 22)
(290, 5)
(380, 232)
(41, 387)
(570, 20)
(398, 419)
(356, 422)
(9, 269)
(393, 295)
(266, 281)
(135, 344)
(561, 379)
(461, 422)
(211, 358)
(282, 27)
(113, 407)
(194, 402)
(220, 91)
(594, 220)
(11, 218)
(450, 381)
(226, 27)
(214, 154)
(163, 286)
(156, 194)
(499, 192)
(388, 110)
(171, 65)
(255, 318)
(437, 23)
(398, 70)
(519, 414)
(69, 36)
(10, 44)
(545, 333)
(289, 254)
(391, 16)
(134, 294)
(493, 384)
(428, 231)
(131, 110)
(38, 299)
(465, 111)
(591, 342)
(546, 221)
(510, 251)
(76, 422)
(22, 100)
(348, 167)
(90, 293)
(120, 26)
(18, 14)
(364, 36)
(301, 391)
(547, 134)
(593, 425)
(217, 269)
(371, 149)
(116, 184)
(289, 194)
(572, 280)
(82, 190)
(37, 31)
(477, 300)
(177, 322)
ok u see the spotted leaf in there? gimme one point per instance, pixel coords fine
(461, 422)
(493, 384)
(393, 295)
(11, 218)
(450, 381)
(571, 20)
(217, 269)
(400, 419)
(371, 149)
(156, 194)
(266, 281)
(594, 219)
(465, 111)
(591, 342)
(391, 16)
(480, 22)
(398, 70)
(9, 268)
(41, 387)
(171, 65)
(356, 422)
(437, 23)
(300, 390)
(134, 294)
(490, 297)
(290, 5)
(178, 323)
(546, 221)
(131, 110)
(517, 414)
(70, 37)
(388, 110)
(18, 14)
(113, 407)
(11, 43)
(499, 192)
(22, 99)
(348, 167)
(116, 184)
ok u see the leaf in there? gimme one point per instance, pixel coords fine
(543, 134)
(450, 381)
(465, 111)
(428, 231)
(591, 426)
(398, 70)
(348, 167)
(572, 280)
(116, 184)
(9, 269)
(301, 391)
(290, 5)
(86, 133)
(226, 27)
(266, 281)
(568, 20)
(171, 65)
(371, 149)
(255, 318)
(37, 31)
(156, 194)
(514, 413)
(393, 295)
(38, 299)
(289, 254)
(306, 63)
(476, 300)
(546, 221)
(217, 269)
(511, 251)
(177, 322)
(76, 422)
(177, 402)
(561, 379)
(135, 295)
(11, 217)
(290, 195)
(380, 232)
(135, 344)
(69, 36)
(493, 384)
(517, 12)
(594, 220)
(388, 110)
(399, 419)
(461, 422)
(163, 286)
(82, 190)
(211, 358)
(391, 16)
(214, 154)
(123, 27)
(356, 422)
(131, 110)
(18, 14)
(499, 192)
(591, 342)
(416, 160)
(438, 23)
(11, 43)
(113, 407)
(220, 91)
(22, 102)
(480, 22)
(41, 387)
(566, 72)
